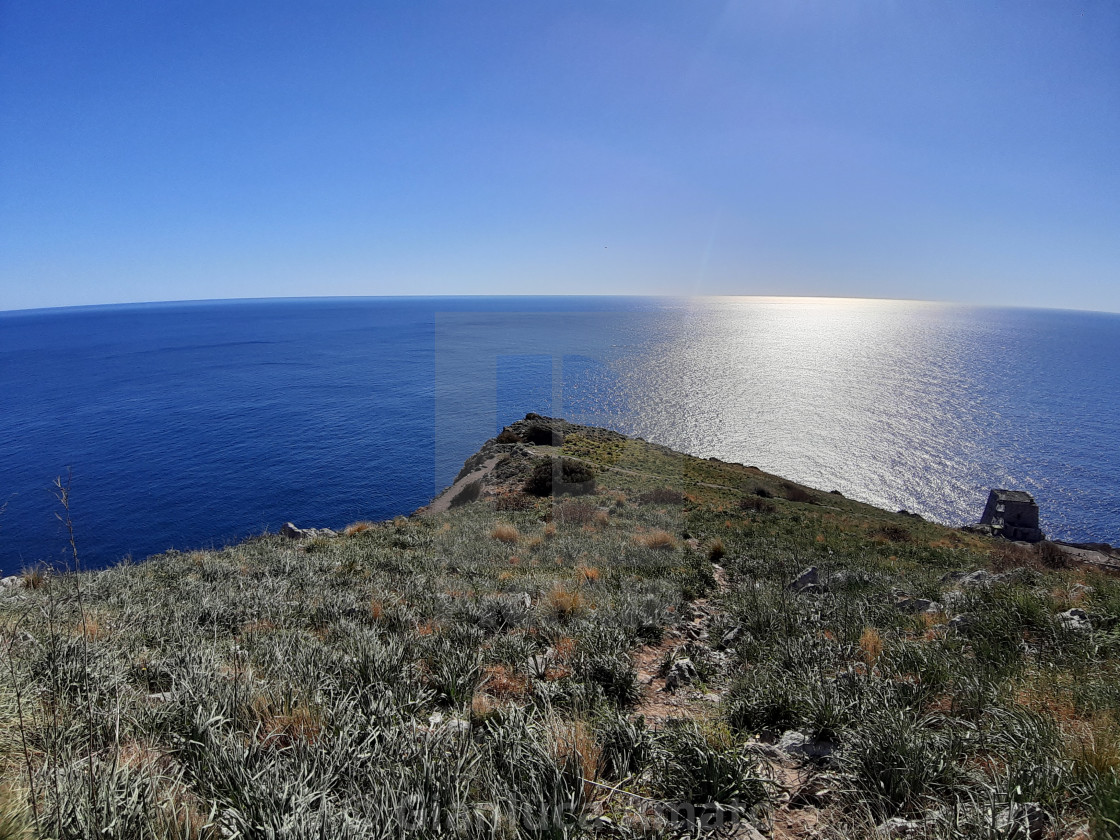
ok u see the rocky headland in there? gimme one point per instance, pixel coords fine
(586, 634)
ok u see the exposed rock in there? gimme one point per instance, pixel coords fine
(1023, 821)
(731, 636)
(799, 744)
(966, 580)
(1076, 620)
(681, 672)
(293, 533)
(962, 622)
(807, 581)
(899, 827)
(917, 605)
(11, 582)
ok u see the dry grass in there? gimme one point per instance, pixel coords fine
(282, 729)
(91, 629)
(376, 610)
(587, 574)
(564, 604)
(549, 531)
(601, 519)
(871, 645)
(1094, 745)
(892, 533)
(660, 540)
(504, 532)
(513, 502)
(576, 750)
(502, 683)
(574, 513)
(357, 528)
(34, 578)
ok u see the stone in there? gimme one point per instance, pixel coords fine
(899, 827)
(11, 582)
(962, 622)
(1012, 514)
(917, 605)
(731, 636)
(1076, 620)
(1023, 821)
(681, 672)
(809, 577)
(292, 532)
(799, 744)
(978, 578)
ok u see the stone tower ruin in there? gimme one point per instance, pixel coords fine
(1012, 514)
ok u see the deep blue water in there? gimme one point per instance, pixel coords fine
(197, 424)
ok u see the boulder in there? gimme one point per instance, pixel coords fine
(917, 605)
(808, 580)
(1023, 821)
(681, 672)
(293, 533)
(1076, 620)
(799, 744)
(731, 636)
(962, 622)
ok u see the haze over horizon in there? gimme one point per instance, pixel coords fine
(948, 151)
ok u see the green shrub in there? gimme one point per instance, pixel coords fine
(574, 476)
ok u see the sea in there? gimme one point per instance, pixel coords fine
(196, 425)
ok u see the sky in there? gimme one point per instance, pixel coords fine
(961, 150)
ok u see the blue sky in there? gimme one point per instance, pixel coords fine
(951, 150)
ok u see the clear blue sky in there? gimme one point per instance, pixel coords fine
(951, 150)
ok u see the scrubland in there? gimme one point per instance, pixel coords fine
(645, 659)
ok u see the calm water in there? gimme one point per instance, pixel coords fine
(191, 425)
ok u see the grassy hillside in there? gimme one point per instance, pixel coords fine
(641, 656)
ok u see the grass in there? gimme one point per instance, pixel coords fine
(476, 672)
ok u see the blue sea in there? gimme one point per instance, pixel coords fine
(194, 425)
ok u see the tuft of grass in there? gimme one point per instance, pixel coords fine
(504, 532)
(587, 574)
(871, 645)
(658, 539)
(34, 577)
(574, 512)
(716, 550)
(564, 604)
(356, 528)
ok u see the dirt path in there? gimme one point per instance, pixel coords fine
(657, 703)
(442, 502)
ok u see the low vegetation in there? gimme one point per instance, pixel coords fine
(648, 659)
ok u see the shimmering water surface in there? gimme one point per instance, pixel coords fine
(192, 425)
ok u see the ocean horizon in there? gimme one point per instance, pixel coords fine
(195, 424)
